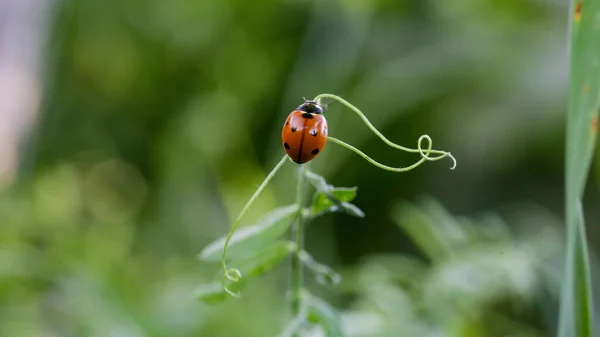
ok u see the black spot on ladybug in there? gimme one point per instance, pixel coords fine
(315, 151)
(293, 129)
(287, 146)
(287, 122)
(307, 115)
(313, 132)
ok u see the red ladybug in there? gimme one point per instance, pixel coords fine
(305, 132)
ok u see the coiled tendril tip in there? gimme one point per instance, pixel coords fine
(233, 294)
(237, 275)
(233, 275)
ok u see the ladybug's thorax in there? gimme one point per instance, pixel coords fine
(311, 107)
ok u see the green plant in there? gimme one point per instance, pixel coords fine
(582, 125)
(254, 250)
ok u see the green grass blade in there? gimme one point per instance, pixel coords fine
(576, 302)
(582, 118)
(582, 121)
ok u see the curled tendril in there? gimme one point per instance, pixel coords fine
(232, 274)
(425, 155)
(429, 150)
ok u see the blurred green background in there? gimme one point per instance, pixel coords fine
(158, 119)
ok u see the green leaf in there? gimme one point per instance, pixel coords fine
(324, 274)
(251, 268)
(346, 194)
(249, 239)
(213, 293)
(331, 199)
(582, 124)
(339, 193)
(322, 313)
(263, 262)
(349, 209)
(321, 202)
(317, 181)
(576, 307)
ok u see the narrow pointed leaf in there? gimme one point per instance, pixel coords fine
(317, 181)
(321, 202)
(259, 264)
(340, 193)
(576, 308)
(210, 293)
(332, 199)
(345, 207)
(324, 274)
(351, 209)
(247, 240)
(346, 194)
(582, 124)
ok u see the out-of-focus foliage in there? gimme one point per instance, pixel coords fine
(160, 118)
(476, 278)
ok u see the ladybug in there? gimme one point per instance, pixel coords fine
(304, 133)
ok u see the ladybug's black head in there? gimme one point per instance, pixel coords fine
(310, 107)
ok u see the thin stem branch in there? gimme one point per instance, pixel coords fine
(372, 161)
(298, 238)
(234, 275)
(425, 155)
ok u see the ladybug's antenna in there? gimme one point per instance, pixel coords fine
(323, 102)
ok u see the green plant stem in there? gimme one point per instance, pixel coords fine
(298, 238)
(372, 161)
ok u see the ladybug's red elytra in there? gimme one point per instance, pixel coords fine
(304, 133)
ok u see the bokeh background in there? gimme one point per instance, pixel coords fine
(133, 132)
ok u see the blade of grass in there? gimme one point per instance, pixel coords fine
(582, 121)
